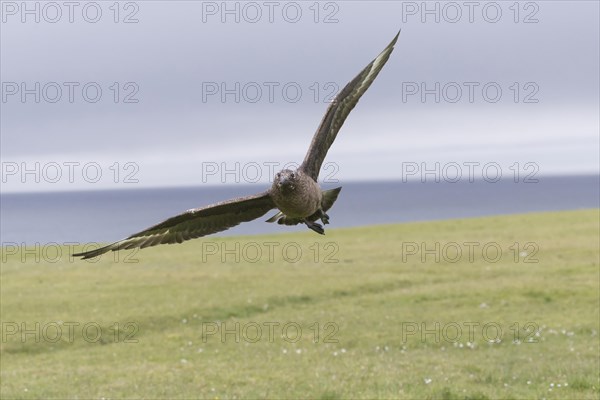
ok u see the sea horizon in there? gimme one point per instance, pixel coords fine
(99, 216)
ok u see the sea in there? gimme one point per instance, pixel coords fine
(108, 215)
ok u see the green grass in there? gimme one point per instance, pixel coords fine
(364, 292)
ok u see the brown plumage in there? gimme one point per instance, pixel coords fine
(296, 194)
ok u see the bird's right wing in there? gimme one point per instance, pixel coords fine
(193, 224)
(339, 110)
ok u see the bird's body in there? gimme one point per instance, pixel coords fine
(296, 194)
(299, 196)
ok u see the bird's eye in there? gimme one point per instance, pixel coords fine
(293, 175)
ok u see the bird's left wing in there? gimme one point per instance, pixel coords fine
(339, 109)
(193, 224)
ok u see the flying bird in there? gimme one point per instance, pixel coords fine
(296, 194)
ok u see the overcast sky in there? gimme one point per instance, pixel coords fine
(190, 88)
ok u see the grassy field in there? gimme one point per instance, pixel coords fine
(498, 307)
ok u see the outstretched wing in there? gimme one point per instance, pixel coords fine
(194, 223)
(339, 109)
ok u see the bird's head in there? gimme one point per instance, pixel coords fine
(286, 180)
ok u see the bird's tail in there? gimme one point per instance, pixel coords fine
(329, 197)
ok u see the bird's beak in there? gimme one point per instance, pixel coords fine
(285, 184)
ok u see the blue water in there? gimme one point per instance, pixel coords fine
(103, 216)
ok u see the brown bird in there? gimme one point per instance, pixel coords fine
(296, 194)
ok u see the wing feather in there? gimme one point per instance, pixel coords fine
(193, 224)
(339, 109)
